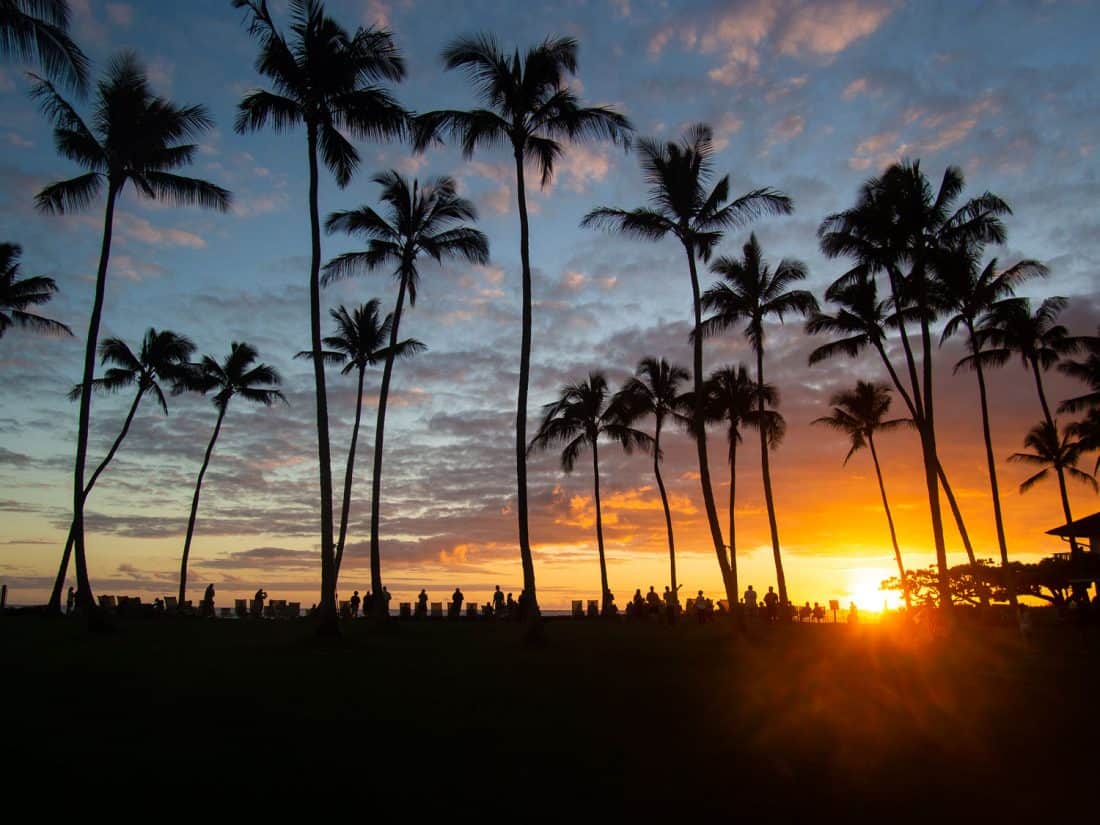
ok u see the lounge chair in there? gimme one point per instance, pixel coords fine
(240, 606)
(437, 610)
(293, 610)
(226, 612)
(578, 609)
(107, 602)
(593, 608)
(405, 610)
(471, 610)
(170, 604)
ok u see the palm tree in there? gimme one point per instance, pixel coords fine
(530, 107)
(1087, 370)
(323, 78)
(360, 341)
(39, 30)
(1087, 433)
(577, 420)
(684, 206)
(655, 391)
(733, 398)
(164, 356)
(901, 227)
(235, 375)
(1049, 449)
(970, 293)
(17, 294)
(752, 292)
(420, 220)
(859, 413)
(135, 138)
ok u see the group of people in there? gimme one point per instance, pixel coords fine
(766, 609)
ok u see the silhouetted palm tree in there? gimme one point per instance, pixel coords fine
(235, 375)
(1087, 370)
(324, 79)
(135, 138)
(859, 413)
(969, 292)
(655, 391)
(684, 206)
(420, 220)
(577, 420)
(752, 292)
(17, 294)
(164, 356)
(734, 399)
(39, 30)
(1087, 433)
(529, 107)
(360, 341)
(902, 228)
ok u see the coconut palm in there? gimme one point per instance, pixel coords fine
(360, 341)
(968, 292)
(578, 419)
(1087, 370)
(752, 292)
(18, 294)
(1087, 433)
(655, 391)
(235, 375)
(324, 78)
(136, 138)
(39, 30)
(686, 207)
(732, 398)
(860, 413)
(901, 227)
(164, 356)
(427, 220)
(529, 107)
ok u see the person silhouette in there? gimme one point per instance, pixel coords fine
(208, 601)
(70, 602)
(750, 604)
(258, 602)
(386, 600)
(456, 603)
(354, 601)
(653, 601)
(853, 614)
(771, 605)
(422, 603)
(498, 601)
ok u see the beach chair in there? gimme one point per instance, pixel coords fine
(293, 610)
(269, 611)
(185, 606)
(107, 602)
(405, 610)
(593, 608)
(254, 607)
(578, 609)
(437, 610)
(170, 604)
(471, 610)
(226, 612)
(240, 606)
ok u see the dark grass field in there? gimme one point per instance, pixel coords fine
(791, 723)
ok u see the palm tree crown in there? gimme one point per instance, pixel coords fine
(38, 30)
(732, 397)
(164, 355)
(235, 375)
(654, 390)
(1087, 370)
(860, 413)
(17, 294)
(1049, 449)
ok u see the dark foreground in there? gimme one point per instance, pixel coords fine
(802, 722)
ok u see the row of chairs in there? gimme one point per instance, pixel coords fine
(435, 610)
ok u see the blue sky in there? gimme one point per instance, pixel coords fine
(807, 97)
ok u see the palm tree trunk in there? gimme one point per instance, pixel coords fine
(195, 502)
(85, 600)
(327, 607)
(735, 605)
(700, 430)
(664, 504)
(531, 602)
(381, 609)
(769, 500)
(54, 605)
(348, 476)
(605, 590)
(956, 513)
(890, 522)
(1074, 548)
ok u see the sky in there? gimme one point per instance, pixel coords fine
(810, 98)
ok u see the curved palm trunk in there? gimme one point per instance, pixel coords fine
(701, 431)
(349, 473)
(54, 605)
(735, 605)
(605, 601)
(381, 609)
(327, 606)
(1074, 548)
(85, 600)
(890, 522)
(769, 499)
(526, 558)
(195, 502)
(668, 511)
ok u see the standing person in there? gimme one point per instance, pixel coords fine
(456, 603)
(771, 605)
(422, 603)
(653, 601)
(208, 601)
(355, 600)
(386, 601)
(258, 603)
(498, 601)
(70, 602)
(750, 604)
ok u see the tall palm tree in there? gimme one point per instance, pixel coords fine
(578, 419)
(686, 207)
(136, 138)
(325, 78)
(901, 227)
(732, 398)
(752, 292)
(859, 413)
(969, 292)
(1087, 433)
(419, 220)
(1087, 370)
(529, 107)
(18, 294)
(655, 391)
(235, 375)
(360, 341)
(39, 30)
(164, 356)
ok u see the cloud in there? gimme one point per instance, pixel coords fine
(582, 166)
(859, 86)
(132, 269)
(121, 14)
(827, 27)
(140, 229)
(13, 459)
(16, 139)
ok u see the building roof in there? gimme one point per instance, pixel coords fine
(1081, 528)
